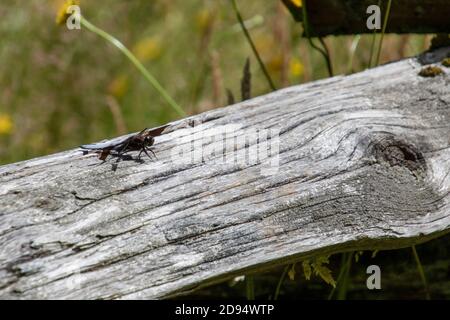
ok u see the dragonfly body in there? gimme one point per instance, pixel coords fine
(141, 141)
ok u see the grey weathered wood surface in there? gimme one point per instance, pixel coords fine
(364, 162)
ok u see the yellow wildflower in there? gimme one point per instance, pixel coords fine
(63, 15)
(297, 3)
(296, 68)
(204, 19)
(265, 44)
(147, 49)
(275, 63)
(118, 86)
(6, 124)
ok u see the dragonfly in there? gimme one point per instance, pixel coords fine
(141, 142)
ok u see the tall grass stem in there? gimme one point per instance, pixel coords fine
(372, 44)
(421, 272)
(280, 281)
(149, 77)
(252, 45)
(386, 18)
(324, 52)
(250, 287)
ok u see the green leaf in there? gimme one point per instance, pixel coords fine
(307, 269)
(374, 253)
(357, 255)
(323, 271)
(291, 272)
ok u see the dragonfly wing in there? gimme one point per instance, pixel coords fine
(116, 144)
(97, 146)
(156, 131)
(110, 144)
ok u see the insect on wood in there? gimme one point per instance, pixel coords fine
(141, 142)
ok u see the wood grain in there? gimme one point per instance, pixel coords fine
(364, 162)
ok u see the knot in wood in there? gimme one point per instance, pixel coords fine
(396, 152)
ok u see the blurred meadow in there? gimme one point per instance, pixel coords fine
(61, 88)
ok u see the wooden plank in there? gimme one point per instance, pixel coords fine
(340, 17)
(363, 163)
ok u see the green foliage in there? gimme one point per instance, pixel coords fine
(307, 271)
(291, 272)
(357, 255)
(374, 253)
(317, 265)
(250, 287)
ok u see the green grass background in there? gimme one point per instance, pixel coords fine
(61, 88)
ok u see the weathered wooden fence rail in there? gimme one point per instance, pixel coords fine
(364, 162)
